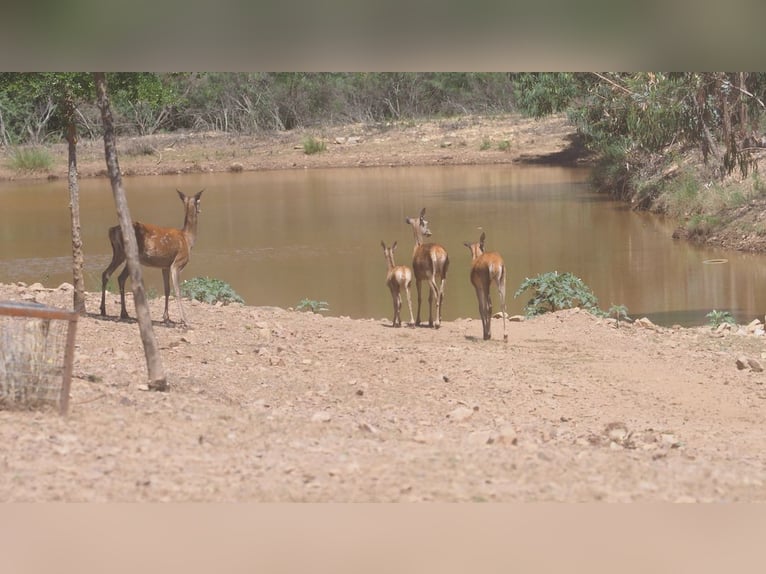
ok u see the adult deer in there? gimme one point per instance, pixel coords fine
(486, 268)
(429, 263)
(164, 247)
(398, 279)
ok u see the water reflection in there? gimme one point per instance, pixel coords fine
(281, 236)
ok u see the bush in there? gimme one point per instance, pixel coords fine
(31, 159)
(312, 305)
(311, 145)
(554, 291)
(716, 318)
(210, 291)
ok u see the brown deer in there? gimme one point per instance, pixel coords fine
(486, 268)
(398, 279)
(164, 247)
(430, 263)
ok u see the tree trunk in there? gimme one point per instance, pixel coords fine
(157, 379)
(74, 210)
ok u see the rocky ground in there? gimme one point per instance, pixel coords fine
(268, 404)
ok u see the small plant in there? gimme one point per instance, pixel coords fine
(553, 291)
(504, 145)
(312, 305)
(30, 159)
(311, 145)
(619, 312)
(717, 318)
(486, 144)
(210, 291)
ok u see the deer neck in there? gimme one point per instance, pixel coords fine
(190, 225)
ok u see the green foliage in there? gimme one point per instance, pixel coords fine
(30, 159)
(486, 144)
(619, 313)
(541, 94)
(716, 318)
(553, 291)
(209, 290)
(311, 145)
(312, 305)
(504, 145)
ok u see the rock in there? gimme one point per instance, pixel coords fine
(617, 431)
(517, 318)
(367, 427)
(645, 322)
(66, 287)
(744, 362)
(460, 414)
(321, 417)
(507, 435)
(36, 287)
(481, 437)
(754, 365)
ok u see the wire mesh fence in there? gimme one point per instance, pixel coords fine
(36, 356)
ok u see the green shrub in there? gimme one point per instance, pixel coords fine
(312, 305)
(717, 318)
(31, 159)
(553, 291)
(486, 144)
(618, 312)
(210, 291)
(504, 145)
(311, 145)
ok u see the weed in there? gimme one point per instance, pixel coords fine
(717, 318)
(619, 312)
(209, 290)
(311, 145)
(553, 291)
(30, 159)
(486, 144)
(312, 305)
(504, 145)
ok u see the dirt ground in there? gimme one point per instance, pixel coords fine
(268, 404)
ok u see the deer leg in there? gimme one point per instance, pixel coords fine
(417, 285)
(175, 273)
(121, 282)
(488, 314)
(409, 303)
(166, 285)
(433, 297)
(116, 260)
(398, 309)
(393, 302)
(501, 291)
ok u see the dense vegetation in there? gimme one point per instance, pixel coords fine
(647, 128)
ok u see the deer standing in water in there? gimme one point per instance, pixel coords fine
(430, 263)
(164, 247)
(398, 279)
(486, 268)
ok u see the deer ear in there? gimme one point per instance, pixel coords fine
(181, 194)
(198, 194)
(393, 247)
(383, 245)
(422, 213)
(482, 238)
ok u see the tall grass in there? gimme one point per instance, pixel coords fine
(30, 159)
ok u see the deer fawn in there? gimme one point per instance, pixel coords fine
(486, 268)
(430, 263)
(398, 279)
(164, 247)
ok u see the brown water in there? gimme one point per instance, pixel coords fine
(278, 237)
